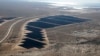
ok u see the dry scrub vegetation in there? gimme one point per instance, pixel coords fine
(81, 39)
(69, 40)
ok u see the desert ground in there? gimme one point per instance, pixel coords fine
(74, 39)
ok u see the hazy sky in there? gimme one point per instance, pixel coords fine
(88, 3)
(73, 1)
(65, 1)
(80, 3)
